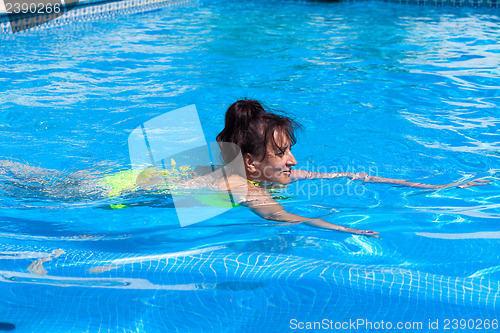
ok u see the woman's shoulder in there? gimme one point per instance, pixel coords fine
(247, 192)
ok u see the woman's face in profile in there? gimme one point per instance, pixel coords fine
(277, 165)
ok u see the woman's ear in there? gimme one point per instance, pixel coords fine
(249, 162)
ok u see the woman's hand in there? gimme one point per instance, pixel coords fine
(363, 176)
(475, 182)
(368, 233)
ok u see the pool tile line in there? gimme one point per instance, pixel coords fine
(89, 11)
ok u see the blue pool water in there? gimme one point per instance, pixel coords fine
(399, 91)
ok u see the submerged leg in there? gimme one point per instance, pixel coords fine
(30, 182)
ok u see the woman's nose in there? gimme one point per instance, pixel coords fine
(291, 159)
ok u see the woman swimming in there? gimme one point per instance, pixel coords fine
(265, 140)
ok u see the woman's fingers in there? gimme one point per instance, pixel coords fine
(369, 233)
(475, 182)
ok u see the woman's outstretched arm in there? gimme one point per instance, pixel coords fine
(276, 212)
(263, 205)
(363, 176)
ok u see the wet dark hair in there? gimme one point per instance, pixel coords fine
(251, 126)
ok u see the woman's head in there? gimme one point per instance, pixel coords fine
(264, 138)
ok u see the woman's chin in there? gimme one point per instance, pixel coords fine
(284, 180)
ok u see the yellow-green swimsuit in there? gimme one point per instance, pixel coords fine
(126, 182)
